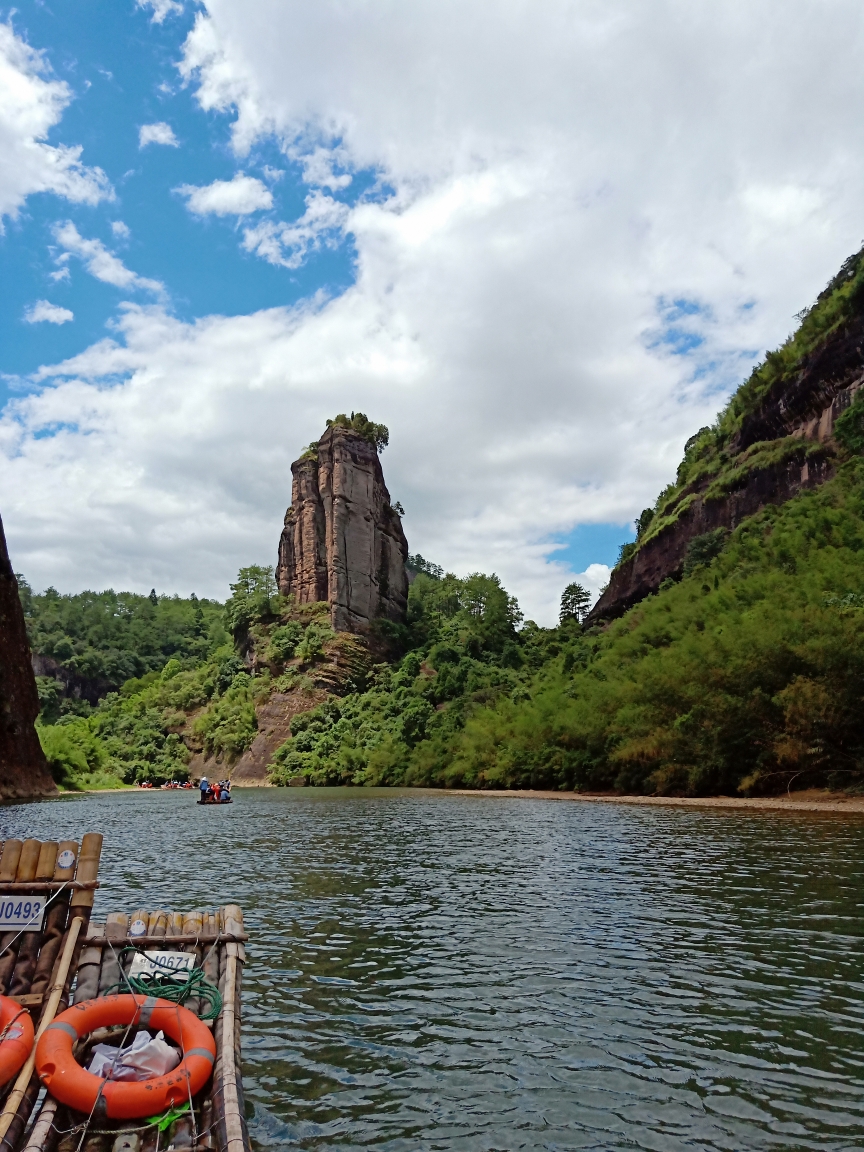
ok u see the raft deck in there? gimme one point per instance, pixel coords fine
(74, 958)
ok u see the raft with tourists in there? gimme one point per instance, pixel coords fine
(120, 1035)
(219, 792)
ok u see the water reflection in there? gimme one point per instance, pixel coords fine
(434, 972)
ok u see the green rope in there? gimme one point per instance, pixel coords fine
(170, 988)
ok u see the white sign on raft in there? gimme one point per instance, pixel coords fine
(21, 913)
(168, 965)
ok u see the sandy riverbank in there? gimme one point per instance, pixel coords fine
(813, 800)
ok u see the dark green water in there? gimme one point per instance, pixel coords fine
(460, 973)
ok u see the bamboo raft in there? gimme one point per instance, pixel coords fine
(74, 958)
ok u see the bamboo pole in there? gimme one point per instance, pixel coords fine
(157, 925)
(170, 941)
(234, 1142)
(9, 860)
(88, 869)
(28, 861)
(116, 928)
(56, 917)
(41, 1130)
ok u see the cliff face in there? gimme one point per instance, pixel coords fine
(342, 542)
(793, 422)
(23, 769)
(663, 556)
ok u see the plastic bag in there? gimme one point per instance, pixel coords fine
(147, 1056)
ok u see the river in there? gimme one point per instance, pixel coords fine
(433, 972)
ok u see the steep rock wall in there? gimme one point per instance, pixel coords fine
(23, 768)
(663, 555)
(342, 541)
(807, 409)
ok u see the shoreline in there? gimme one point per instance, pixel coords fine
(813, 800)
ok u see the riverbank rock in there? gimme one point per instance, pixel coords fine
(343, 541)
(23, 768)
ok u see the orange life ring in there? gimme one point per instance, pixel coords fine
(16, 1038)
(71, 1084)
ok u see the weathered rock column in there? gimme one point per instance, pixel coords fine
(23, 768)
(342, 541)
(302, 566)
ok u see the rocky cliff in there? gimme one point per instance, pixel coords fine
(23, 769)
(775, 439)
(343, 541)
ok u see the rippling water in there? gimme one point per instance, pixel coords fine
(442, 972)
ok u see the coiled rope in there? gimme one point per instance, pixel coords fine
(170, 987)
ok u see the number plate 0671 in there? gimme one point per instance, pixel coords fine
(21, 913)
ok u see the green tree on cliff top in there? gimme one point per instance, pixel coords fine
(359, 422)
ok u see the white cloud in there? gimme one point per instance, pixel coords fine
(99, 262)
(594, 579)
(318, 167)
(160, 133)
(30, 105)
(45, 310)
(290, 244)
(549, 186)
(237, 197)
(161, 8)
(120, 230)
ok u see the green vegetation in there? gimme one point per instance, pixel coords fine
(376, 434)
(464, 651)
(849, 428)
(149, 726)
(746, 676)
(575, 603)
(99, 640)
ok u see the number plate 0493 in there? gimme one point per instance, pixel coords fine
(21, 913)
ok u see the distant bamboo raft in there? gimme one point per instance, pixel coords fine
(74, 959)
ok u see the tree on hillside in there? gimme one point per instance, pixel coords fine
(252, 597)
(575, 602)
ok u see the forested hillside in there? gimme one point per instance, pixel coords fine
(740, 667)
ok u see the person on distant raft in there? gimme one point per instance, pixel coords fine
(226, 792)
(205, 787)
(216, 791)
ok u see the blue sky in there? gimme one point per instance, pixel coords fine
(542, 249)
(121, 67)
